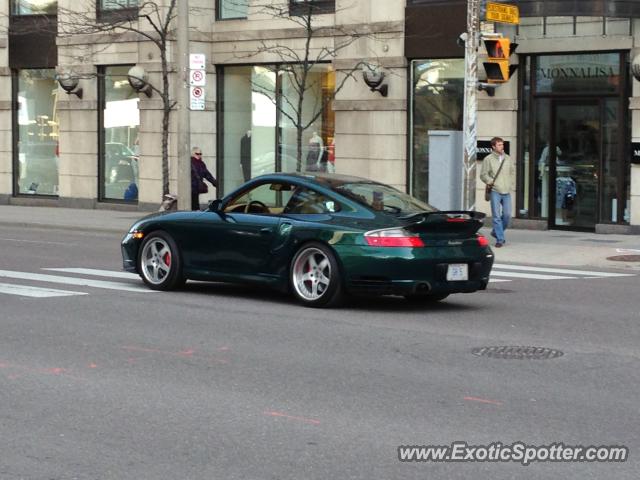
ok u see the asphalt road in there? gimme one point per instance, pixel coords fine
(231, 382)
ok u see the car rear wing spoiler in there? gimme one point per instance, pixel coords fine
(453, 221)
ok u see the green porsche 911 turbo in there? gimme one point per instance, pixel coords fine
(318, 236)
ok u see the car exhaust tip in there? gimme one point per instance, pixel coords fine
(423, 288)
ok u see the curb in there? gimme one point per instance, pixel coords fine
(49, 226)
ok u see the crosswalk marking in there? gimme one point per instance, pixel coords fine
(96, 273)
(501, 266)
(74, 281)
(35, 292)
(534, 276)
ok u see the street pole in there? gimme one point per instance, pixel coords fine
(184, 126)
(470, 126)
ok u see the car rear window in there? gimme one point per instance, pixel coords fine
(382, 198)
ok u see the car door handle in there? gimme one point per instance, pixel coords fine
(265, 231)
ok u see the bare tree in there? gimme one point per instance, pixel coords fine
(318, 45)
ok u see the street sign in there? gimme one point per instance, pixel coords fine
(503, 13)
(197, 61)
(197, 98)
(197, 78)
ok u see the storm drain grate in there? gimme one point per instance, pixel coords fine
(625, 258)
(517, 353)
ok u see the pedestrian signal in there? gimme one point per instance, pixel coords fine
(497, 66)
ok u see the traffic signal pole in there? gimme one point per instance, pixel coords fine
(470, 125)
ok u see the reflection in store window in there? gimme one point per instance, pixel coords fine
(259, 122)
(37, 132)
(436, 104)
(120, 121)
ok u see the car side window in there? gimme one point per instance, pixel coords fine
(264, 199)
(307, 201)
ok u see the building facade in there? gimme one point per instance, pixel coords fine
(569, 113)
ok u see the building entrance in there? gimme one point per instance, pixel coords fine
(570, 179)
(574, 160)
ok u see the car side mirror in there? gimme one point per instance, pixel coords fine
(214, 205)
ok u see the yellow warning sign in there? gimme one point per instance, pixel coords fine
(503, 13)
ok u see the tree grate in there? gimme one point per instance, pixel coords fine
(517, 353)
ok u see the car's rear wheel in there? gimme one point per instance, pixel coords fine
(427, 298)
(159, 262)
(315, 276)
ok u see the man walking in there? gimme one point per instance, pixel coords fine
(498, 171)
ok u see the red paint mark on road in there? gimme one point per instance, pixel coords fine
(190, 353)
(482, 400)
(93, 365)
(290, 417)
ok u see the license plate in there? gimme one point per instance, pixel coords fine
(457, 272)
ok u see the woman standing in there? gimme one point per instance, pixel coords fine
(199, 173)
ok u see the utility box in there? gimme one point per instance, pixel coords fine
(445, 169)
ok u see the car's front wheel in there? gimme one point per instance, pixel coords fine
(159, 262)
(315, 276)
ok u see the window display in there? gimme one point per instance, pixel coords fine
(120, 122)
(37, 120)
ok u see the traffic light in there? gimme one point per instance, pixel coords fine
(497, 67)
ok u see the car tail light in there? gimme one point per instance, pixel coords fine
(393, 237)
(482, 241)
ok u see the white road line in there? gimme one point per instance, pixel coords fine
(35, 292)
(498, 280)
(534, 276)
(96, 273)
(74, 281)
(500, 266)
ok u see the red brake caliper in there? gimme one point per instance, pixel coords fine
(167, 259)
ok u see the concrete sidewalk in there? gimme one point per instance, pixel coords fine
(553, 247)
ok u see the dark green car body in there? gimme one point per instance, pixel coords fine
(215, 245)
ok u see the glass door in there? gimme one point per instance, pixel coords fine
(574, 163)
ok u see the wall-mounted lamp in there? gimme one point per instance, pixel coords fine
(69, 84)
(374, 79)
(138, 80)
(635, 67)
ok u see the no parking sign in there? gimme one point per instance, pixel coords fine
(197, 98)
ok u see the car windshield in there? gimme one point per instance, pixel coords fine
(382, 198)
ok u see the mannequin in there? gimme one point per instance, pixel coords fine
(314, 154)
(245, 155)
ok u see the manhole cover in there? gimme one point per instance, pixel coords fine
(625, 258)
(517, 353)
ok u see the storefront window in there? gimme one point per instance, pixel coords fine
(34, 7)
(120, 121)
(436, 104)
(37, 120)
(260, 124)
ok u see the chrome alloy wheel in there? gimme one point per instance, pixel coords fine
(156, 261)
(311, 274)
